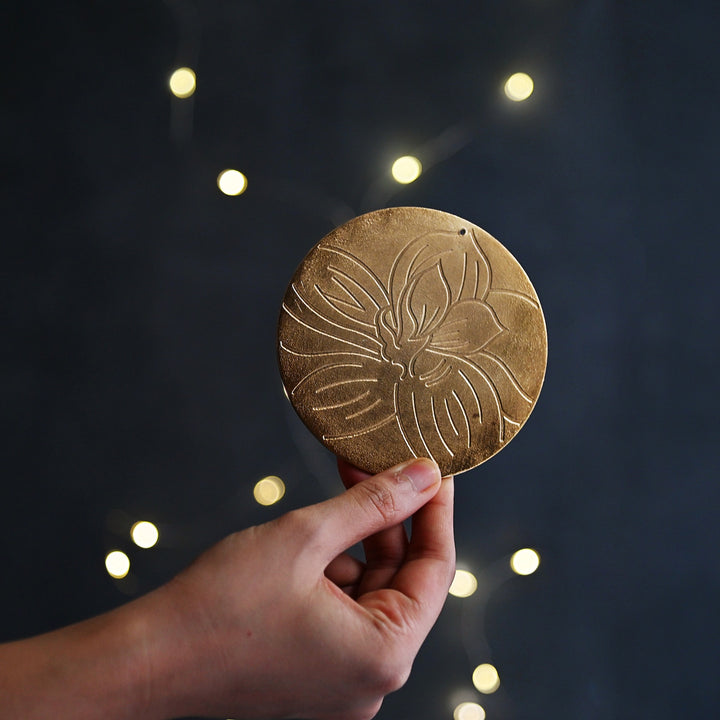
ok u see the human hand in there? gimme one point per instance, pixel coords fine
(278, 621)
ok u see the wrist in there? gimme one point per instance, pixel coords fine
(83, 671)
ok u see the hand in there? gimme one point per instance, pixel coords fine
(274, 621)
(278, 621)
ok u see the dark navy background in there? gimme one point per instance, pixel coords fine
(140, 304)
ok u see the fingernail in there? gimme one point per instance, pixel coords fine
(421, 473)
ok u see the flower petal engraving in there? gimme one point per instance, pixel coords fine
(468, 326)
(426, 301)
(417, 351)
(351, 292)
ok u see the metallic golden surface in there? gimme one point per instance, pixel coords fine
(411, 332)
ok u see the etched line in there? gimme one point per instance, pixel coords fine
(357, 261)
(448, 294)
(419, 323)
(440, 377)
(396, 262)
(396, 404)
(496, 396)
(429, 373)
(428, 262)
(437, 427)
(487, 264)
(417, 424)
(364, 431)
(520, 295)
(465, 416)
(364, 410)
(327, 298)
(330, 366)
(427, 377)
(340, 383)
(449, 344)
(355, 300)
(335, 406)
(464, 276)
(326, 334)
(474, 392)
(297, 353)
(450, 417)
(329, 322)
(352, 280)
(503, 366)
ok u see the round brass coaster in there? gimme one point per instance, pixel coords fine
(410, 332)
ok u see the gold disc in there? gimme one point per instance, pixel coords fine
(410, 332)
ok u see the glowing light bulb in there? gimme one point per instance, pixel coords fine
(469, 711)
(525, 561)
(486, 679)
(144, 534)
(519, 87)
(406, 169)
(232, 182)
(464, 584)
(183, 82)
(269, 490)
(117, 564)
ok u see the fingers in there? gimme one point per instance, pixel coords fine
(423, 580)
(385, 550)
(375, 504)
(346, 572)
(430, 564)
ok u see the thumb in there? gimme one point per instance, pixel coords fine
(376, 503)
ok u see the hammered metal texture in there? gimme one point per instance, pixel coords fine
(410, 332)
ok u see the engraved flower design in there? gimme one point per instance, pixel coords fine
(420, 354)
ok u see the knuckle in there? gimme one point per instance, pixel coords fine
(394, 679)
(387, 673)
(369, 712)
(297, 526)
(391, 678)
(366, 711)
(378, 499)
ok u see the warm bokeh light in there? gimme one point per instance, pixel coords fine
(117, 564)
(485, 678)
(525, 561)
(469, 711)
(144, 534)
(406, 169)
(269, 490)
(464, 584)
(519, 86)
(183, 82)
(232, 182)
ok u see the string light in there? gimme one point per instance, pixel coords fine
(117, 563)
(464, 584)
(406, 169)
(486, 679)
(232, 182)
(469, 711)
(525, 561)
(183, 82)
(144, 534)
(519, 87)
(269, 490)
